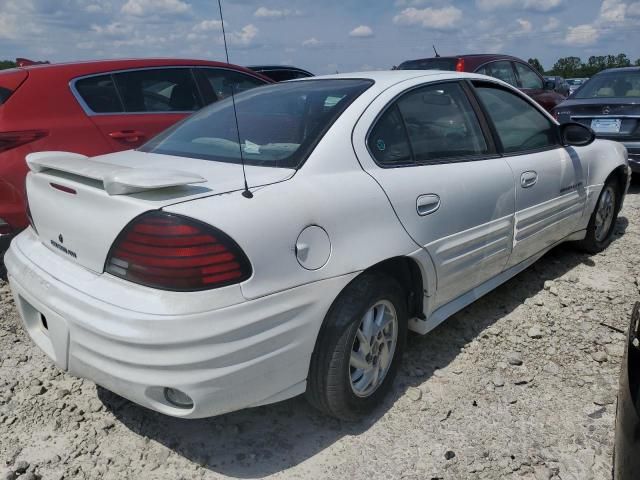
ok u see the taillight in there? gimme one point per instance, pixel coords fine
(172, 252)
(460, 65)
(5, 228)
(9, 140)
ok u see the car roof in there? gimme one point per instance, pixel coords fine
(75, 69)
(386, 78)
(620, 69)
(475, 56)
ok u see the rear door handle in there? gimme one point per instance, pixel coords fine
(426, 204)
(528, 179)
(127, 135)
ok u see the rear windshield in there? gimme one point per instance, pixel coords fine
(611, 85)
(278, 124)
(430, 64)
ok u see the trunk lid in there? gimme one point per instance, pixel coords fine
(79, 205)
(627, 110)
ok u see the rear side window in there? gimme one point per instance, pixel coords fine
(388, 140)
(529, 78)
(501, 70)
(429, 64)
(439, 122)
(99, 94)
(221, 81)
(520, 126)
(158, 90)
(4, 94)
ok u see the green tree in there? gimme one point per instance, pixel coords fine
(638, 62)
(535, 63)
(567, 67)
(7, 64)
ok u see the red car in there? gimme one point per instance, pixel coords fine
(97, 107)
(509, 69)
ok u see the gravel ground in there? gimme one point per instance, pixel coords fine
(522, 384)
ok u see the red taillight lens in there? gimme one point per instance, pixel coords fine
(9, 140)
(460, 65)
(171, 252)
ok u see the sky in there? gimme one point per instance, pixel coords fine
(323, 36)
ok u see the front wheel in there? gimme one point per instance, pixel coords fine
(603, 220)
(359, 347)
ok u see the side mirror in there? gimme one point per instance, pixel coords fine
(549, 85)
(576, 134)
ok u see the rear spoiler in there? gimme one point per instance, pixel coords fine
(116, 179)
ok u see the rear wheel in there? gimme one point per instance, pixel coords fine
(603, 219)
(359, 348)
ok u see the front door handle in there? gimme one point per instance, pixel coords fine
(127, 135)
(528, 179)
(426, 204)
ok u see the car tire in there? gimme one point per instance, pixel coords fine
(334, 385)
(596, 240)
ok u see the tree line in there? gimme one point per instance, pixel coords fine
(7, 64)
(574, 67)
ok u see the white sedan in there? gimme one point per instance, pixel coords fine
(377, 203)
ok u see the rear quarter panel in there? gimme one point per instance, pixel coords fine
(331, 191)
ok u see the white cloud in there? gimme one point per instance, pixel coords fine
(534, 5)
(208, 26)
(311, 42)
(361, 31)
(115, 29)
(436, 18)
(264, 12)
(150, 7)
(552, 25)
(612, 11)
(525, 25)
(244, 37)
(542, 5)
(582, 35)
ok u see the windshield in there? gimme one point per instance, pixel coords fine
(279, 124)
(429, 64)
(612, 85)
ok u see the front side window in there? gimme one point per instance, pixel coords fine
(222, 81)
(529, 78)
(437, 120)
(501, 70)
(158, 90)
(99, 94)
(278, 125)
(520, 126)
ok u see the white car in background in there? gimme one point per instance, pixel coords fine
(379, 203)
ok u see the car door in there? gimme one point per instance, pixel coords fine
(427, 148)
(550, 179)
(131, 107)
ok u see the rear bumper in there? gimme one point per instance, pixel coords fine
(251, 353)
(634, 155)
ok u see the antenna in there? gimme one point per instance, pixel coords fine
(434, 49)
(246, 193)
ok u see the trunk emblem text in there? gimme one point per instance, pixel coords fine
(63, 249)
